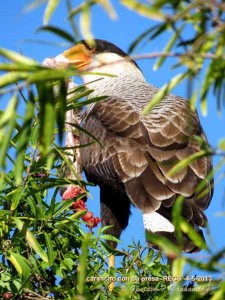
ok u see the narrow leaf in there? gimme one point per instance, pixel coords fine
(108, 8)
(85, 23)
(33, 5)
(167, 246)
(61, 108)
(144, 9)
(64, 206)
(47, 118)
(7, 125)
(162, 92)
(187, 161)
(31, 240)
(47, 75)
(16, 197)
(51, 7)
(21, 265)
(16, 57)
(23, 140)
(168, 47)
(59, 32)
(176, 218)
(140, 38)
(51, 254)
(192, 234)
(12, 77)
(82, 264)
(109, 237)
(78, 9)
(178, 266)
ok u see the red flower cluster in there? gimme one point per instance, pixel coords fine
(90, 220)
(71, 192)
(79, 205)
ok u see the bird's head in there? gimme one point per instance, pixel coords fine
(99, 56)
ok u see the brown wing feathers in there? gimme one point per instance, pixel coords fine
(139, 151)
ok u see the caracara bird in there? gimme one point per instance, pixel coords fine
(136, 151)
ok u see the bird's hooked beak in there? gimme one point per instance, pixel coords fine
(78, 56)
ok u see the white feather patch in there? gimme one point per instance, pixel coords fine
(154, 222)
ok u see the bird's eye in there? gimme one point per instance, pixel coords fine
(90, 48)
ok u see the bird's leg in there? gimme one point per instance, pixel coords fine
(111, 265)
(115, 211)
(112, 261)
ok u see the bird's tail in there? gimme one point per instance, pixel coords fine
(161, 226)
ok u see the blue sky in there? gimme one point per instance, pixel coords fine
(18, 26)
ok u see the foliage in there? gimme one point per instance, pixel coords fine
(46, 251)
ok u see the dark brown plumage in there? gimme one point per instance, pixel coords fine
(138, 151)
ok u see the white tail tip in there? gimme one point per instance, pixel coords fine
(154, 222)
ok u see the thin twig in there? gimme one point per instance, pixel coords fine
(133, 57)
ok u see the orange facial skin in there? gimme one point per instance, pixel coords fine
(79, 56)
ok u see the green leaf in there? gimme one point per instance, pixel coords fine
(23, 139)
(85, 23)
(144, 9)
(34, 136)
(109, 237)
(185, 11)
(168, 47)
(63, 206)
(16, 197)
(140, 38)
(18, 67)
(33, 5)
(187, 161)
(193, 100)
(51, 253)
(86, 132)
(208, 80)
(81, 277)
(106, 4)
(31, 240)
(7, 125)
(12, 77)
(68, 264)
(46, 75)
(192, 234)
(73, 217)
(21, 264)
(17, 58)
(59, 32)
(176, 218)
(61, 108)
(219, 294)
(51, 7)
(80, 8)
(47, 118)
(178, 266)
(167, 246)
(222, 144)
(162, 92)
